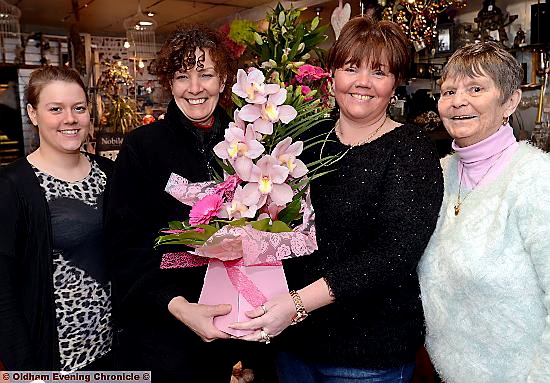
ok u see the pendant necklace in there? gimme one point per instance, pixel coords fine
(362, 142)
(460, 201)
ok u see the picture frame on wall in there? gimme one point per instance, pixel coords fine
(445, 41)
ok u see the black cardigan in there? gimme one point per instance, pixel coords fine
(28, 332)
(374, 216)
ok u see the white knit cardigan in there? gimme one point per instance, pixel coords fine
(485, 276)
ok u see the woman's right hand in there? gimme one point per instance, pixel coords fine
(199, 318)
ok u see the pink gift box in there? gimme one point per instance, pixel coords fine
(258, 283)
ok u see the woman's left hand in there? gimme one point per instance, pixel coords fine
(269, 319)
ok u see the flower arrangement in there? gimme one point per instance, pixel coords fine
(265, 181)
(119, 110)
(257, 212)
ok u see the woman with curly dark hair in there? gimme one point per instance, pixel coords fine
(159, 325)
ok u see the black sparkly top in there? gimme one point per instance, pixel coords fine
(374, 216)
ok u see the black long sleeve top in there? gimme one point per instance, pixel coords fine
(28, 333)
(374, 216)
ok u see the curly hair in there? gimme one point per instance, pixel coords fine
(178, 53)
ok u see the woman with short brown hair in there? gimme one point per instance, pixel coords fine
(374, 214)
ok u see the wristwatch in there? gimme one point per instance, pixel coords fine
(301, 312)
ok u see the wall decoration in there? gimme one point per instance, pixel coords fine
(418, 18)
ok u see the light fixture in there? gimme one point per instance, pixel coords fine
(140, 33)
(9, 25)
(141, 64)
(151, 13)
(126, 44)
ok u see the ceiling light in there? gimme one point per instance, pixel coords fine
(150, 13)
(126, 44)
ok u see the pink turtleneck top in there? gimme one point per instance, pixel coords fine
(485, 160)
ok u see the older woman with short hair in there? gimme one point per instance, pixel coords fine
(485, 275)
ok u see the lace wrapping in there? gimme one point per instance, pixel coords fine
(240, 246)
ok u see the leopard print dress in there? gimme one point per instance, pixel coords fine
(81, 287)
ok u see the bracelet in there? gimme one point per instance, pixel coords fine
(301, 312)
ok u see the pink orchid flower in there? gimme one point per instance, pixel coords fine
(251, 86)
(240, 148)
(205, 209)
(239, 143)
(236, 208)
(268, 179)
(239, 123)
(286, 152)
(265, 115)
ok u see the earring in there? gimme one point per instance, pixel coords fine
(393, 100)
(505, 120)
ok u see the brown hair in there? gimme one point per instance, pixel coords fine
(364, 39)
(486, 58)
(45, 75)
(178, 53)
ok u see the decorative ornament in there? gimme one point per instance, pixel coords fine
(418, 18)
(339, 17)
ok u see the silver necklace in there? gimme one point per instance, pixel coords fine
(338, 130)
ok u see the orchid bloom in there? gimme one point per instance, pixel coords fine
(264, 116)
(268, 179)
(236, 208)
(286, 152)
(239, 143)
(239, 123)
(251, 86)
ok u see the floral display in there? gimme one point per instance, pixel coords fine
(265, 181)
(119, 110)
(257, 212)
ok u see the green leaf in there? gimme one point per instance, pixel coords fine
(315, 23)
(258, 38)
(176, 225)
(226, 167)
(262, 225)
(238, 222)
(282, 18)
(190, 237)
(279, 227)
(290, 212)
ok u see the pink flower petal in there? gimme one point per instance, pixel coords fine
(287, 113)
(281, 194)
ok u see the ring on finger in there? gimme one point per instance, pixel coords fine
(263, 308)
(265, 336)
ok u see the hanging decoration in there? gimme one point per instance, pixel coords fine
(339, 17)
(418, 18)
(9, 28)
(140, 32)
